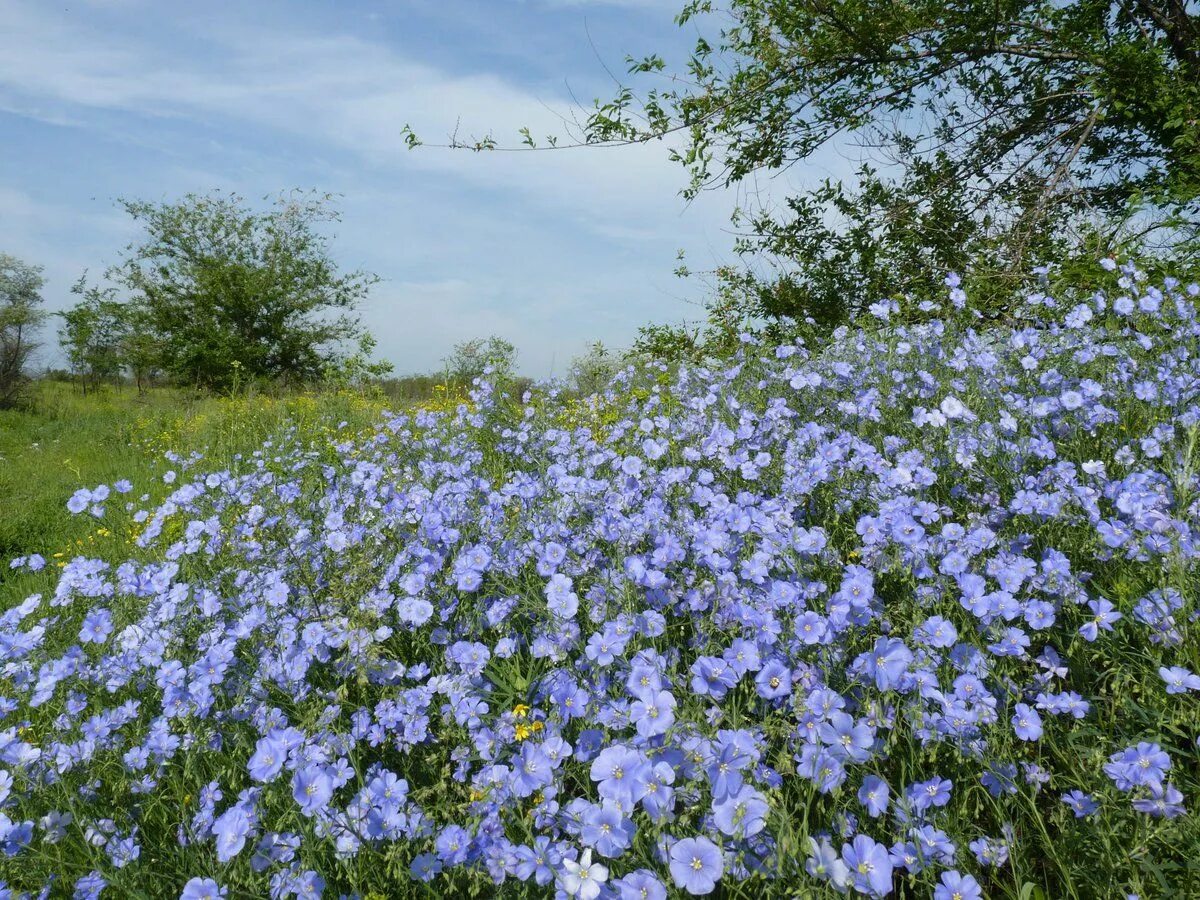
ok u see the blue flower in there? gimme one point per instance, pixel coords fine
(231, 830)
(561, 600)
(583, 879)
(97, 626)
(606, 829)
(623, 775)
(1104, 615)
(202, 889)
(653, 712)
(870, 866)
(1080, 803)
(874, 795)
(696, 865)
(887, 662)
(270, 753)
(639, 885)
(312, 788)
(1026, 722)
(89, 887)
(928, 794)
(955, 886)
(774, 680)
(742, 815)
(1144, 765)
(724, 769)
(1179, 680)
(532, 770)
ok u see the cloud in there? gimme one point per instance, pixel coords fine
(552, 249)
(672, 6)
(349, 94)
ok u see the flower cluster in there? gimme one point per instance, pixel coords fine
(914, 611)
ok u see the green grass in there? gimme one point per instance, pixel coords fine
(64, 441)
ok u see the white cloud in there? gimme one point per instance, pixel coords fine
(552, 249)
(672, 6)
(346, 93)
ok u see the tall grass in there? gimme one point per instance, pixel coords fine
(63, 440)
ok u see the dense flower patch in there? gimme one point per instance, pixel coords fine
(910, 614)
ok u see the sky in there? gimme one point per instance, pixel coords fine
(153, 99)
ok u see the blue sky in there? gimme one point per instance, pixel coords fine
(153, 99)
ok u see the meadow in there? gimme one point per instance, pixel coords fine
(911, 612)
(62, 439)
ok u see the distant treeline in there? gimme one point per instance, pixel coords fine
(220, 296)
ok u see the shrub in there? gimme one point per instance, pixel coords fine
(21, 316)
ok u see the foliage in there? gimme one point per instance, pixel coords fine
(910, 612)
(95, 334)
(470, 359)
(593, 371)
(1094, 99)
(1004, 133)
(992, 136)
(356, 370)
(218, 283)
(20, 317)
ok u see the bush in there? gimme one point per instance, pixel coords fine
(21, 316)
(593, 372)
(911, 613)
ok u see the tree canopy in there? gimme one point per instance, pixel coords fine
(1095, 102)
(990, 135)
(997, 127)
(229, 292)
(21, 315)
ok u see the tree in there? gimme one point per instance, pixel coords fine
(94, 334)
(217, 283)
(995, 135)
(139, 349)
(1006, 130)
(471, 359)
(20, 317)
(593, 371)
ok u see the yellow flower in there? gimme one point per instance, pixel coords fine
(520, 711)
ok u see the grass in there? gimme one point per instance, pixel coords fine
(64, 441)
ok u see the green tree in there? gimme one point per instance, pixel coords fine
(1004, 131)
(139, 349)
(993, 135)
(216, 282)
(592, 372)
(21, 315)
(93, 334)
(471, 359)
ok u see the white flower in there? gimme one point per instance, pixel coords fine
(953, 408)
(582, 879)
(1071, 400)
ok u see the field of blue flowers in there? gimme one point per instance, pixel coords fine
(910, 614)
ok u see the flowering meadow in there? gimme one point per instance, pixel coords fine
(912, 614)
